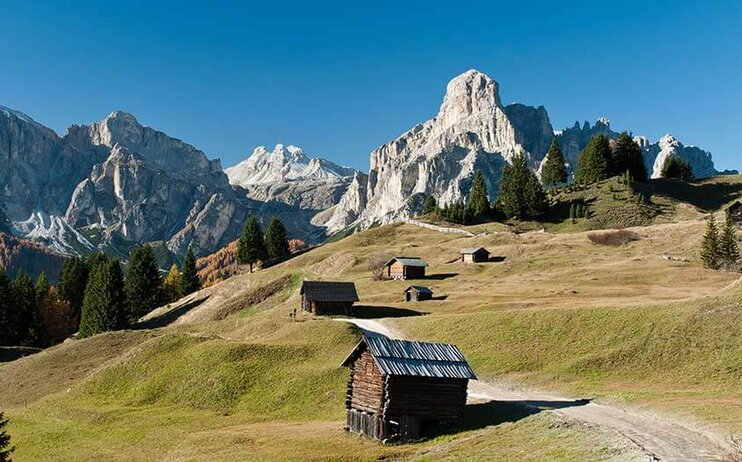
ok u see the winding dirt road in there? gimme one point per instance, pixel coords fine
(658, 436)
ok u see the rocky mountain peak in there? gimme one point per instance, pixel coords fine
(469, 93)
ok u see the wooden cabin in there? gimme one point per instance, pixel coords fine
(406, 268)
(400, 390)
(323, 297)
(735, 212)
(475, 255)
(417, 294)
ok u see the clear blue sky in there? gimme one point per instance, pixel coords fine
(341, 78)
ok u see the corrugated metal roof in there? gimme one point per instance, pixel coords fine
(419, 289)
(325, 291)
(419, 359)
(408, 261)
(470, 250)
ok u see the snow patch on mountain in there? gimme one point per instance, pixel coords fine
(284, 163)
(54, 232)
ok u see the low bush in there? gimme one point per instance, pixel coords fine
(613, 238)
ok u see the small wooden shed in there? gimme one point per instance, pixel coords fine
(400, 390)
(475, 255)
(406, 268)
(417, 294)
(324, 297)
(735, 212)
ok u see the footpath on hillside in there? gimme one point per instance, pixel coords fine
(658, 436)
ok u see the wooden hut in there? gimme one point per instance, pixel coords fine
(417, 294)
(400, 390)
(406, 268)
(475, 255)
(735, 212)
(322, 297)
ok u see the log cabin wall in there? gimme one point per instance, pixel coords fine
(366, 385)
(322, 307)
(425, 397)
(414, 272)
(396, 271)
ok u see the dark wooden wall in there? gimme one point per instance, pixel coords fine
(366, 386)
(425, 397)
(324, 308)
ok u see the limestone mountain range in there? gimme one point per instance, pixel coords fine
(115, 183)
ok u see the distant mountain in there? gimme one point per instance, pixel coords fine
(298, 189)
(113, 184)
(472, 131)
(284, 163)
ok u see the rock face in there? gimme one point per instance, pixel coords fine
(113, 181)
(657, 153)
(472, 131)
(287, 183)
(283, 164)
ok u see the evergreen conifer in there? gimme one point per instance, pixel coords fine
(595, 161)
(276, 242)
(251, 246)
(710, 246)
(143, 283)
(189, 281)
(554, 171)
(521, 194)
(104, 306)
(478, 202)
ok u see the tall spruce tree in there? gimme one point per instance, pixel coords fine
(675, 167)
(478, 202)
(143, 283)
(710, 246)
(521, 194)
(104, 306)
(728, 245)
(251, 246)
(42, 286)
(189, 281)
(5, 448)
(554, 171)
(595, 161)
(26, 305)
(72, 281)
(8, 332)
(628, 157)
(276, 242)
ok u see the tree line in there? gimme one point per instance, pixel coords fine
(93, 295)
(522, 194)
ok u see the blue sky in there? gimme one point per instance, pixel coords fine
(341, 78)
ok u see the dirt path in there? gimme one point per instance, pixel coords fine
(658, 436)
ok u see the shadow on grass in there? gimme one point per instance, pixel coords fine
(481, 415)
(497, 259)
(169, 317)
(375, 312)
(439, 297)
(441, 276)
(11, 353)
(708, 196)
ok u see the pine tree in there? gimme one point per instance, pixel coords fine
(276, 242)
(251, 246)
(72, 282)
(104, 306)
(628, 157)
(143, 283)
(8, 333)
(431, 205)
(521, 194)
(595, 162)
(675, 167)
(478, 202)
(42, 286)
(27, 308)
(728, 246)
(572, 212)
(5, 448)
(554, 171)
(710, 251)
(171, 285)
(189, 281)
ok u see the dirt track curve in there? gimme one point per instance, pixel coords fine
(658, 436)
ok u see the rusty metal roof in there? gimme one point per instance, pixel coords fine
(325, 291)
(418, 359)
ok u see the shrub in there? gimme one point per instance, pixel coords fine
(377, 262)
(613, 238)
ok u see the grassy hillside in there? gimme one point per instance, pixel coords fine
(225, 374)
